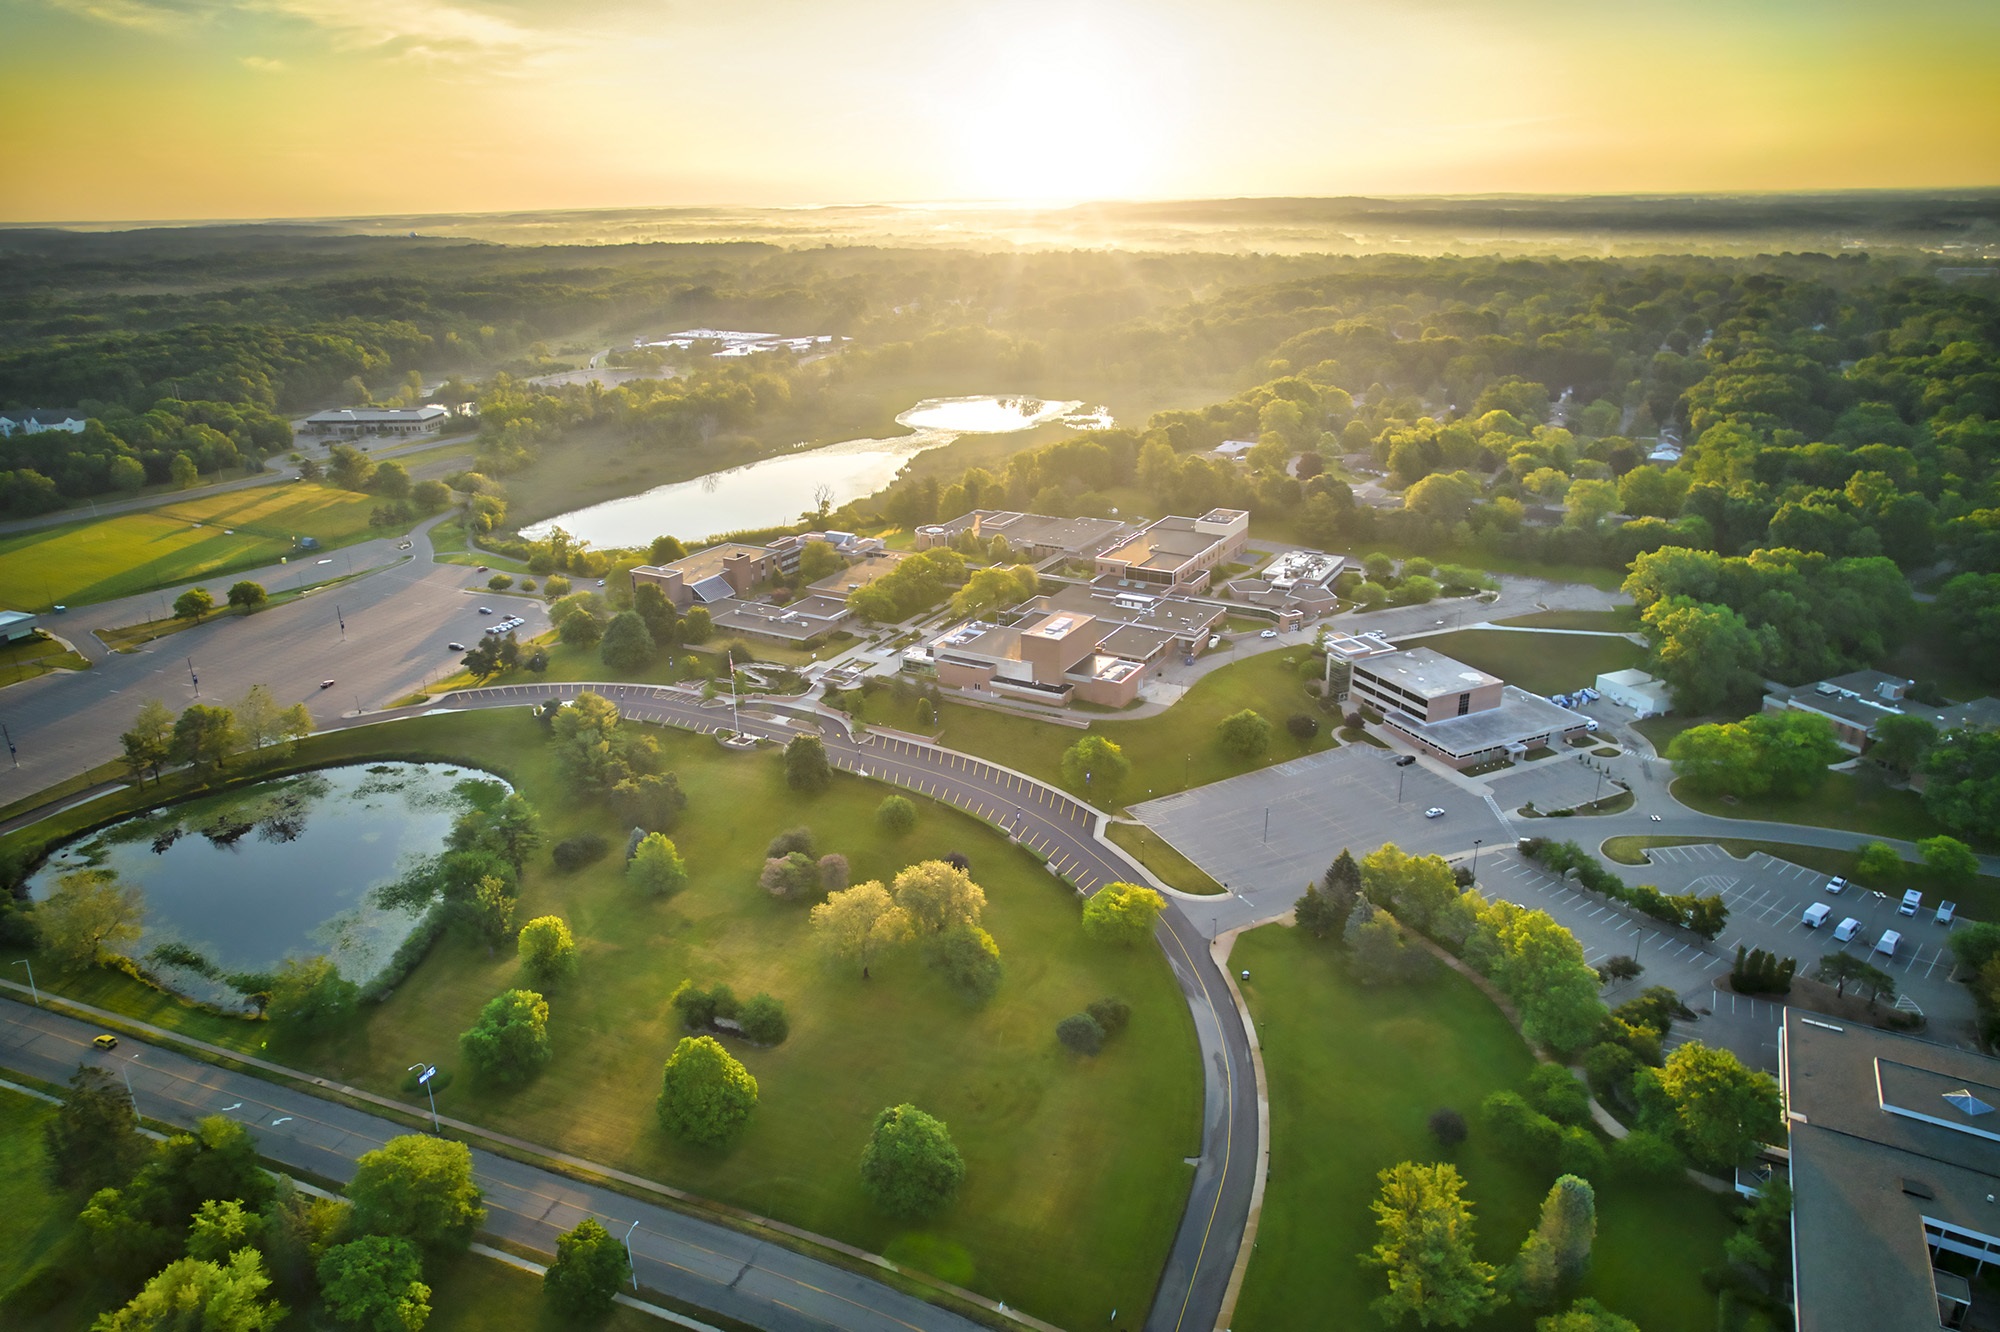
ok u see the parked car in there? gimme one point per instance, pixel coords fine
(1912, 899)
(1886, 945)
(1816, 915)
(485, 610)
(105, 1042)
(1945, 912)
(1847, 929)
(455, 647)
(1268, 633)
(1836, 884)
(1433, 813)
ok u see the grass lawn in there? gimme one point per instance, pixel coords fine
(35, 1216)
(1159, 856)
(1979, 901)
(1620, 620)
(1840, 802)
(1662, 730)
(37, 656)
(1076, 1176)
(132, 552)
(1353, 1076)
(478, 1294)
(1538, 663)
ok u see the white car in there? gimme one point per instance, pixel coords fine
(1836, 884)
(1268, 633)
(1433, 813)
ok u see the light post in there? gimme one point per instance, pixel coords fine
(1477, 842)
(31, 981)
(1267, 825)
(630, 1261)
(424, 1081)
(124, 1067)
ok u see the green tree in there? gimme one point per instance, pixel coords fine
(583, 1282)
(859, 923)
(937, 895)
(259, 718)
(418, 1188)
(247, 596)
(150, 742)
(656, 867)
(896, 815)
(204, 736)
(763, 1020)
(1794, 749)
(181, 471)
(817, 559)
(1718, 760)
(376, 1283)
(1878, 863)
(430, 496)
(806, 766)
(1950, 862)
(1962, 782)
(697, 626)
(193, 604)
(220, 1227)
(1421, 890)
(310, 999)
(1122, 913)
(509, 1043)
(90, 913)
(547, 949)
(706, 1096)
(1557, 1254)
(910, 1168)
(1841, 970)
(191, 1295)
(582, 632)
(968, 959)
(1901, 741)
(1318, 915)
(1718, 1111)
(1426, 1248)
(652, 801)
(1586, 1315)
(1765, 1239)
(628, 644)
(93, 1138)
(1706, 654)
(1245, 735)
(1096, 767)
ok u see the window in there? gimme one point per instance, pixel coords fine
(1464, 704)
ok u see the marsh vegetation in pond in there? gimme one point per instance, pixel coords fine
(236, 882)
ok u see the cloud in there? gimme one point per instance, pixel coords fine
(419, 29)
(264, 64)
(143, 15)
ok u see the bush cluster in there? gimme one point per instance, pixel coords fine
(1703, 915)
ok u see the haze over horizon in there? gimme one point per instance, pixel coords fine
(122, 110)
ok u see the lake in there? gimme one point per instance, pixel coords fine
(280, 868)
(777, 490)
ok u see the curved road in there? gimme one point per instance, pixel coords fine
(735, 1274)
(1195, 1280)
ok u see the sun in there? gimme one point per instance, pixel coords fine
(1051, 113)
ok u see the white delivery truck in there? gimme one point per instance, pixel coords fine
(1911, 901)
(1816, 915)
(1886, 945)
(1847, 929)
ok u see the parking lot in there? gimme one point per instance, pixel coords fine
(1552, 784)
(1266, 834)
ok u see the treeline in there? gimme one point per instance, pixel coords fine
(121, 450)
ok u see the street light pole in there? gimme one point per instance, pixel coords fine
(630, 1261)
(1267, 825)
(31, 980)
(1477, 842)
(424, 1080)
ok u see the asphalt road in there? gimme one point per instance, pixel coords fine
(737, 1275)
(1195, 1278)
(378, 638)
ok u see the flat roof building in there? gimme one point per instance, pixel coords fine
(1854, 703)
(350, 422)
(1176, 553)
(1034, 536)
(1456, 712)
(1636, 690)
(1895, 1164)
(17, 625)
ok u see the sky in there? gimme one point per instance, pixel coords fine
(116, 110)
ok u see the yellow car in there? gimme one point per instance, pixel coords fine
(105, 1042)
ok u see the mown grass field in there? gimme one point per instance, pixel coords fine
(1158, 855)
(134, 552)
(1621, 620)
(1353, 1076)
(37, 656)
(35, 1215)
(1840, 801)
(1076, 1176)
(1539, 663)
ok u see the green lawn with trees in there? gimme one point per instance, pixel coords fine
(1074, 1174)
(1354, 1076)
(134, 552)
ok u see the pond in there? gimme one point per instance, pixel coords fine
(777, 490)
(239, 881)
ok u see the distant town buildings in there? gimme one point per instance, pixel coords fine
(724, 580)
(1176, 554)
(353, 422)
(66, 419)
(731, 342)
(1032, 536)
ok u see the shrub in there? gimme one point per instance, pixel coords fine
(699, 1008)
(791, 840)
(1580, 1153)
(910, 1167)
(1302, 725)
(763, 1020)
(834, 874)
(548, 952)
(1523, 1130)
(656, 867)
(896, 815)
(791, 878)
(1112, 1013)
(1080, 1033)
(706, 1096)
(589, 1269)
(1448, 1127)
(1554, 1091)
(968, 959)
(573, 853)
(1610, 1067)
(500, 582)
(510, 1041)
(1646, 1155)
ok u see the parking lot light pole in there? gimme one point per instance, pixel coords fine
(31, 980)
(630, 1261)
(424, 1079)
(1477, 842)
